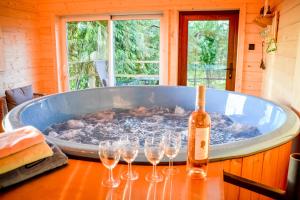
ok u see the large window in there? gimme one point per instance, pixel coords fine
(87, 49)
(112, 52)
(136, 52)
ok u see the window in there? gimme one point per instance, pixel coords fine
(87, 52)
(136, 52)
(110, 52)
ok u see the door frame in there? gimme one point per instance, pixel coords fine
(184, 17)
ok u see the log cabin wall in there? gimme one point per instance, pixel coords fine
(18, 43)
(281, 79)
(249, 75)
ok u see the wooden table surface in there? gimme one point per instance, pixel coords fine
(82, 180)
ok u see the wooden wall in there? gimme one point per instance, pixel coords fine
(28, 49)
(252, 74)
(248, 72)
(281, 79)
(18, 43)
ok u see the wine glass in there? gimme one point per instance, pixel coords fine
(129, 151)
(172, 144)
(154, 151)
(109, 153)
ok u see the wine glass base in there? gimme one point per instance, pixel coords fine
(170, 171)
(126, 176)
(151, 178)
(111, 183)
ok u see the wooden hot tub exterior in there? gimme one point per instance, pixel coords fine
(268, 167)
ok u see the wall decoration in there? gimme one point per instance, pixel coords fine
(268, 19)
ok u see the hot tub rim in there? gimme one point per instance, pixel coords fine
(217, 151)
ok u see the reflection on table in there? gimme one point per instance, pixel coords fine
(82, 180)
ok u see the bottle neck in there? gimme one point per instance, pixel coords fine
(200, 101)
(200, 108)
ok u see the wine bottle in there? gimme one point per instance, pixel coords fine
(198, 138)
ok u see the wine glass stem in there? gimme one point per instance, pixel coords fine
(110, 175)
(170, 164)
(154, 171)
(129, 170)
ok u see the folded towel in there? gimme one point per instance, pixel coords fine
(29, 155)
(19, 139)
(38, 167)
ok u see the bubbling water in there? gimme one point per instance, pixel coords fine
(145, 121)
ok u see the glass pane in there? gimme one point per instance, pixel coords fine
(207, 53)
(136, 52)
(87, 44)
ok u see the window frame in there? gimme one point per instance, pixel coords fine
(62, 46)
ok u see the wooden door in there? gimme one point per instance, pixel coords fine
(208, 48)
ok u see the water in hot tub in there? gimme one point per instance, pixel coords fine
(144, 121)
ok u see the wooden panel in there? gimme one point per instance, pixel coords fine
(283, 157)
(252, 67)
(251, 169)
(252, 76)
(256, 172)
(233, 166)
(269, 167)
(18, 43)
(247, 85)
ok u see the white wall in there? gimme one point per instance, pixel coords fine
(281, 80)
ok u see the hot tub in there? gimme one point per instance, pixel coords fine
(277, 123)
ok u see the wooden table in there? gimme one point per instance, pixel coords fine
(82, 180)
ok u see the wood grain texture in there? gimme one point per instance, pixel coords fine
(82, 180)
(18, 43)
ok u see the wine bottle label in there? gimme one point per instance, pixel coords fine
(201, 146)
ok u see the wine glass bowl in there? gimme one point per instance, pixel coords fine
(172, 144)
(154, 152)
(109, 153)
(129, 151)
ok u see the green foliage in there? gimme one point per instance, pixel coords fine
(136, 46)
(134, 41)
(207, 53)
(87, 42)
